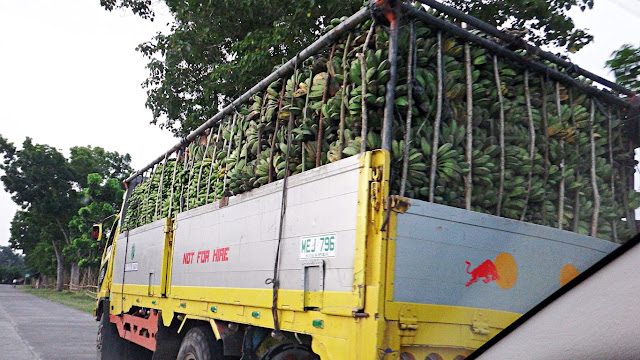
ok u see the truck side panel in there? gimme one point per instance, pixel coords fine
(514, 265)
(139, 255)
(234, 246)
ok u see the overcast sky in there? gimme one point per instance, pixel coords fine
(70, 75)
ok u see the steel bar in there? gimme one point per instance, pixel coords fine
(522, 44)
(390, 95)
(327, 39)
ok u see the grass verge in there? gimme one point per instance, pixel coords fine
(77, 301)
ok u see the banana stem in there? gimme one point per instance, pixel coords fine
(343, 97)
(262, 111)
(363, 77)
(496, 73)
(222, 162)
(468, 188)
(438, 120)
(562, 162)
(407, 131)
(614, 230)
(576, 206)
(325, 94)
(532, 141)
(303, 155)
(213, 160)
(192, 157)
(173, 183)
(545, 141)
(146, 200)
(275, 132)
(160, 185)
(226, 168)
(594, 180)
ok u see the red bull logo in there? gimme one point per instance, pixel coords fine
(503, 270)
(486, 270)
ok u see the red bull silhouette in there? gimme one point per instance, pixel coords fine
(486, 270)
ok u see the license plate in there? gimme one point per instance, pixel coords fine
(322, 246)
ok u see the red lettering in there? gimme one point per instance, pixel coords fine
(203, 256)
(187, 258)
(220, 254)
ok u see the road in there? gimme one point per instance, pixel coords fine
(32, 328)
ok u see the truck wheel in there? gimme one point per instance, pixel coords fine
(110, 345)
(199, 344)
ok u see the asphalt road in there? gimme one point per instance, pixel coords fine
(32, 328)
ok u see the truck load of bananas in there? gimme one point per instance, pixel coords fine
(541, 151)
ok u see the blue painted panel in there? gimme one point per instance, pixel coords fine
(434, 241)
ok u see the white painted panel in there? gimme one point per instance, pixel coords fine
(320, 201)
(141, 249)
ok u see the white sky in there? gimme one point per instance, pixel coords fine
(70, 75)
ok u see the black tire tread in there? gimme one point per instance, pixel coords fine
(199, 341)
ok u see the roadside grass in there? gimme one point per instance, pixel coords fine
(77, 301)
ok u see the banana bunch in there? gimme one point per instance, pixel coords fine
(535, 167)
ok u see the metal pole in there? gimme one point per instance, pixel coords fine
(391, 84)
(522, 44)
(511, 55)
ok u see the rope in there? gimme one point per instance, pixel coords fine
(275, 281)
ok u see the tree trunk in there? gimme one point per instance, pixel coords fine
(59, 267)
(75, 269)
(75, 275)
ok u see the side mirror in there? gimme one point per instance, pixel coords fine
(96, 234)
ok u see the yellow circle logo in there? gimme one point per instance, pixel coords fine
(568, 273)
(503, 270)
(507, 270)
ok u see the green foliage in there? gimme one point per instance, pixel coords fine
(8, 258)
(11, 265)
(102, 197)
(215, 51)
(542, 22)
(625, 64)
(59, 201)
(85, 160)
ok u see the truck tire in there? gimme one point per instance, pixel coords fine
(110, 345)
(199, 344)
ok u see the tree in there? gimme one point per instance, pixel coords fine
(625, 64)
(32, 236)
(541, 22)
(103, 197)
(99, 175)
(218, 50)
(85, 160)
(40, 182)
(8, 258)
(11, 264)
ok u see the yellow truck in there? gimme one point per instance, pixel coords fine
(215, 256)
